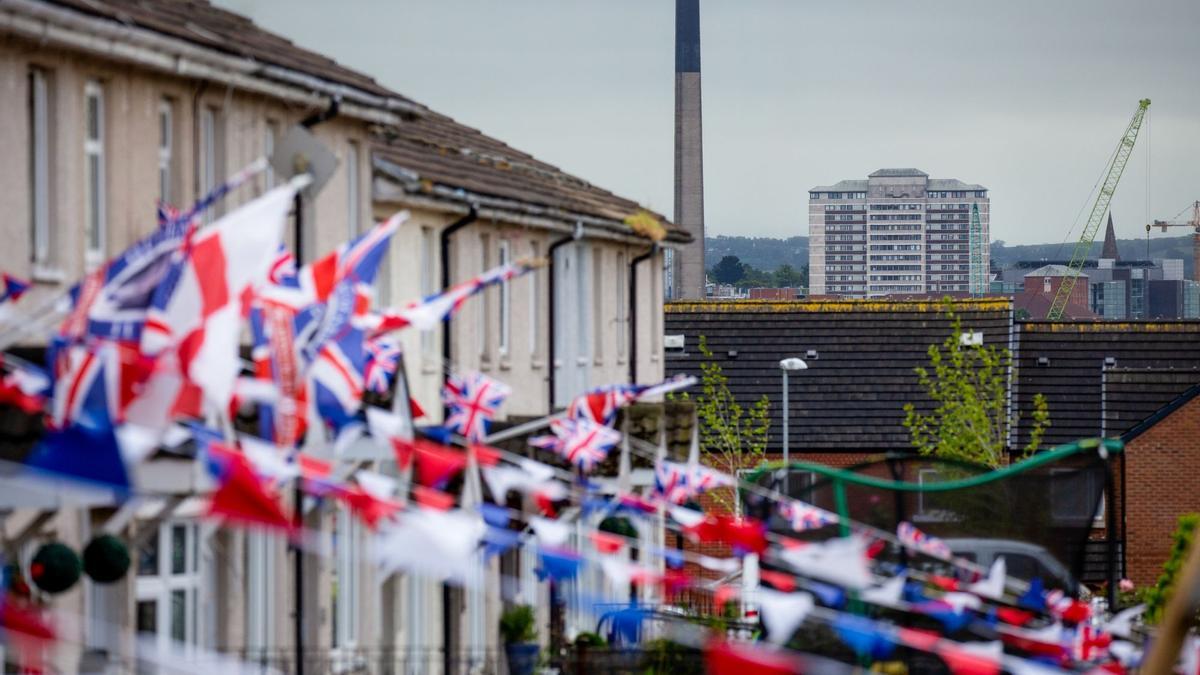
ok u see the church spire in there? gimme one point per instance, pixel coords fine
(1109, 252)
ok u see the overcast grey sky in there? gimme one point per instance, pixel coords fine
(1027, 97)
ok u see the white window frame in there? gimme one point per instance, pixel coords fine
(160, 587)
(428, 284)
(598, 314)
(40, 226)
(261, 598)
(929, 515)
(353, 191)
(209, 170)
(95, 186)
(504, 252)
(347, 603)
(485, 306)
(622, 312)
(166, 149)
(535, 305)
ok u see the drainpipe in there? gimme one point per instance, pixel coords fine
(298, 496)
(472, 216)
(550, 351)
(449, 597)
(633, 323)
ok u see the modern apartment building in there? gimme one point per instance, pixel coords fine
(897, 232)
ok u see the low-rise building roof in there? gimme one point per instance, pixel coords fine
(1065, 361)
(860, 355)
(434, 157)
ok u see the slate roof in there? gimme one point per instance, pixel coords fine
(434, 150)
(843, 186)
(201, 23)
(898, 173)
(1134, 397)
(1051, 270)
(852, 396)
(1070, 378)
(952, 184)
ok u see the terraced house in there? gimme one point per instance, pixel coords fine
(114, 105)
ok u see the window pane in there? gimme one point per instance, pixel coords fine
(164, 128)
(178, 549)
(147, 616)
(93, 168)
(148, 557)
(179, 615)
(93, 118)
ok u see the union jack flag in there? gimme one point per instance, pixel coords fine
(473, 402)
(316, 349)
(383, 358)
(913, 538)
(579, 442)
(804, 516)
(600, 405)
(678, 483)
(427, 313)
(166, 213)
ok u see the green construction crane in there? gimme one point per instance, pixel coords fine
(1084, 246)
(979, 275)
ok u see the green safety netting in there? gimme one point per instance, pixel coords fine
(1041, 514)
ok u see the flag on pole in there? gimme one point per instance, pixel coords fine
(473, 401)
(383, 358)
(579, 442)
(309, 331)
(198, 307)
(600, 405)
(427, 313)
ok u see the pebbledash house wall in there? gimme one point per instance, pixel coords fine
(1160, 467)
(131, 100)
(242, 577)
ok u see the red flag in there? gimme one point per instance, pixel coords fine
(606, 542)
(437, 464)
(242, 498)
(724, 658)
(367, 507)
(432, 498)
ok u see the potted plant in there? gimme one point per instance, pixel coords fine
(517, 628)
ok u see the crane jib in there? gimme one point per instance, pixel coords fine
(1120, 158)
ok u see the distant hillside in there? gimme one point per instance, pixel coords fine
(765, 253)
(768, 253)
(1004, 255)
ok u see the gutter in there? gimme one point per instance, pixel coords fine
(633, 322)
(553, 313)
(54, 26)
(402, 186)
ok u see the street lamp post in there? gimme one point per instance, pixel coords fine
(786, 366)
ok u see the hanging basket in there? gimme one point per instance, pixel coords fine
(54, 568)
(105, 559)
(618, 525)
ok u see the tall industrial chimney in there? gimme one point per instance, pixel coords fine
(688, 260)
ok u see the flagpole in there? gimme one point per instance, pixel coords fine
(298, 495)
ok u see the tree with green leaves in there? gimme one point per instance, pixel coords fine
(728, 271)
(731, 437)
(968, 384)
(787, 276)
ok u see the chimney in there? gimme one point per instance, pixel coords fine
(687, 261)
